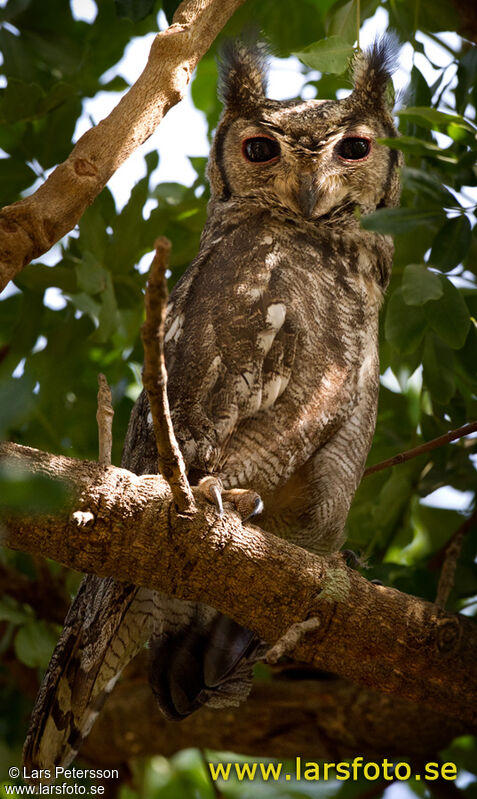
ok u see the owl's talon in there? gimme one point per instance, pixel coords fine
(247, 503)
(257, 509)
(217, 495)
(211, 488)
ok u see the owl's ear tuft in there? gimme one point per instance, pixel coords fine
(372, 70)
(242, 73)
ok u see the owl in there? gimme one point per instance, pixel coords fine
(271, 348)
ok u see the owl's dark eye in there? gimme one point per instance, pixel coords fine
(353, 148)
(260, 149)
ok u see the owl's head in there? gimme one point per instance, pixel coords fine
(314, 158)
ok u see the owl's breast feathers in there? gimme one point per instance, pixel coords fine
(265, 337)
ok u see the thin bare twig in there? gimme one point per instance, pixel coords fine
(215, 788)
(446, 579)
(438, 559)
(448, 556)
(289, 642)
(104, 418)
(452, 435)
(170, 461)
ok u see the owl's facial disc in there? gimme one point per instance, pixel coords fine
(293, 159)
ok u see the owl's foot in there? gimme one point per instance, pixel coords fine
(246, 502)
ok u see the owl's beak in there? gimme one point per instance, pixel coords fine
(307, 194)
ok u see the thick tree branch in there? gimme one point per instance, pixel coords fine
(31, 226)
(314, 718)
(118, 524)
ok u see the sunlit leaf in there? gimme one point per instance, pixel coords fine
(328, 55)
(414, 146)
(432, 118)
(399, 220)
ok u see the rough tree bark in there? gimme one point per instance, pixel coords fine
(31, 226)
(118, 524)
(330, 719)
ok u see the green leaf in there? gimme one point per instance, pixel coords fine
(341, 20)
(152, 161)
(415, 146)
(466, 75)
(399, 220)
(108, 313)
(432, 118)
(420, 285)
(17, 402)
(204, 91)
(51, 147)
(16, 176)
(23, 492)
(172, 193)
(405, 325)
(86, 304)
(170, 7)
(12, 611)
(328, 55)
(20, 101)
(438, 369)
(449, 316)
(12, 9)
(451, 243)
(116, 84)
(39, 277)
(427, 187)
(419, 89)
(134, 10)
(437, 15)
(392, 499)
(91, 276)
(34, 644)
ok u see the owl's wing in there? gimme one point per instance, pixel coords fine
(230, 346)
(107, 624)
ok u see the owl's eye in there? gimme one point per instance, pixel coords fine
(353, 148)
(260, 149)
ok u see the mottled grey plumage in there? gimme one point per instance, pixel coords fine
(272, 355)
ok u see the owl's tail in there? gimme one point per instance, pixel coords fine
(106, 626)
(200, 657)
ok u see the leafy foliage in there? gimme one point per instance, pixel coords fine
(64, 323)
